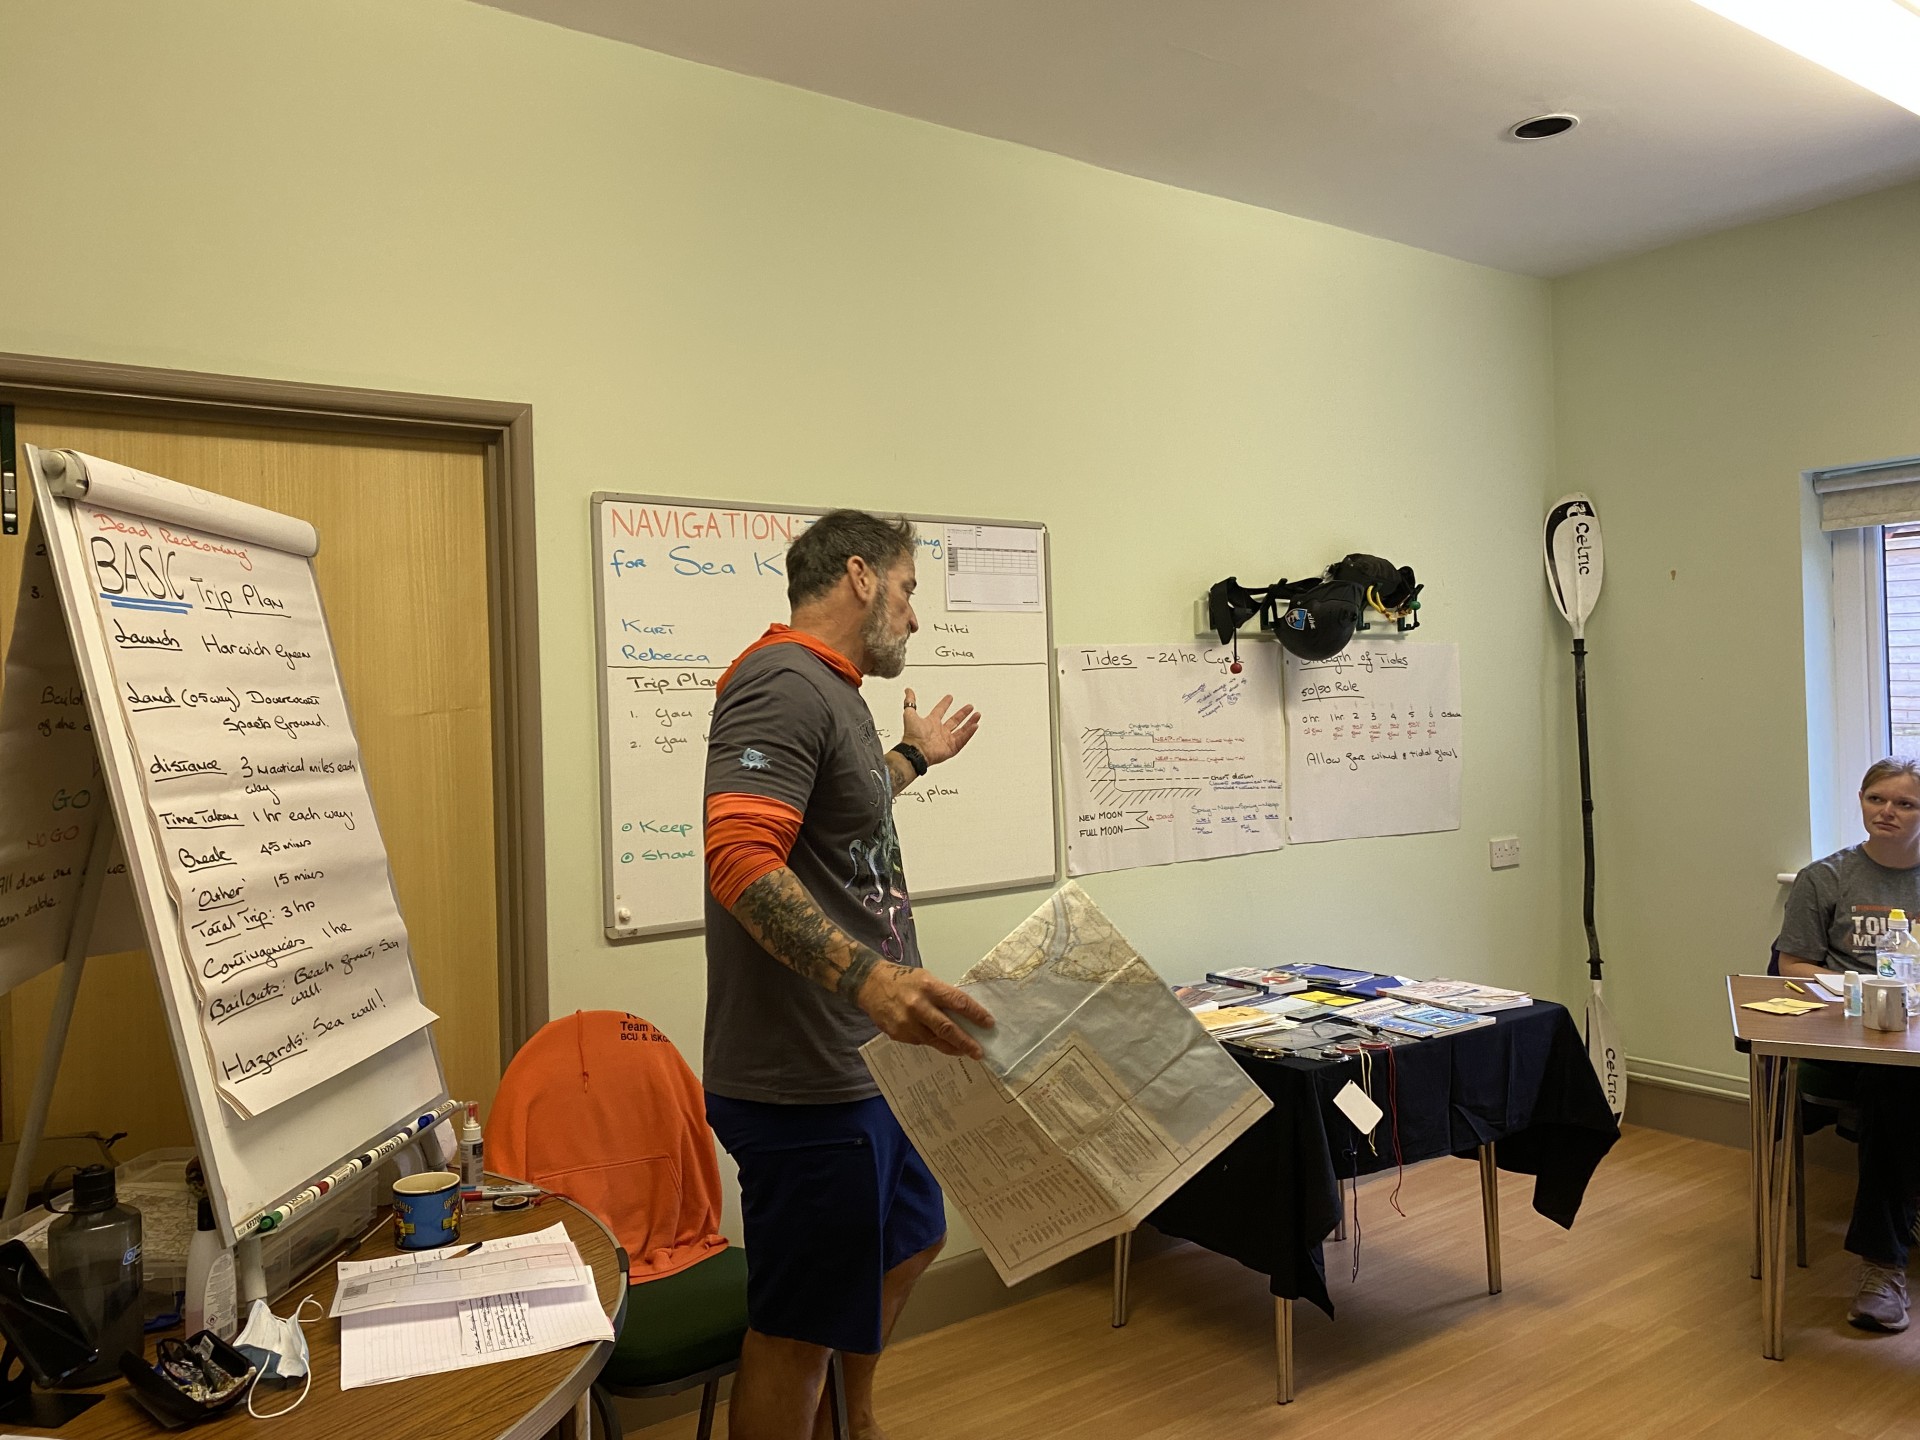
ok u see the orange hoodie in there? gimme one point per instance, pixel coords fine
(599, 1107)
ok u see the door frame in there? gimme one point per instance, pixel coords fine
(504, 432)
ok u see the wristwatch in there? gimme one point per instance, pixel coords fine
(913, 757)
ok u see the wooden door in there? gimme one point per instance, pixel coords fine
(402, 571)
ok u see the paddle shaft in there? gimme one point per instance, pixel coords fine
(1586, 802)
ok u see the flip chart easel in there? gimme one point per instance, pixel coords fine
(158, 664)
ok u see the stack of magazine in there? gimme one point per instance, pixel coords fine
(1313, 1009)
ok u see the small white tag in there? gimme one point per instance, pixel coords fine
(1358, 1106)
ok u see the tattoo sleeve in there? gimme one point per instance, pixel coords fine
(779, 913)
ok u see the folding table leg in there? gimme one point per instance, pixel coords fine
(1756, 1106)
(1490, 1214)
(1787, 1090)
(1122, 1265)
(1798, 1191)
(1780, 1093)
(1283, 1350)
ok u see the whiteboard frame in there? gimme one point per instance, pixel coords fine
(619, 934)
(367, 1083)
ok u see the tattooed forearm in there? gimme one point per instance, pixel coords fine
(778, 912)
(900, 771)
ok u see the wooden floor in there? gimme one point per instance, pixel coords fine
(1641, 1321)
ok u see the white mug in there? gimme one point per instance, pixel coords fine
(1884, 1004)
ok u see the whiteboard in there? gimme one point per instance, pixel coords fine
(681, 587)
(1373, 741)
(260, 1160)
(1168, 755)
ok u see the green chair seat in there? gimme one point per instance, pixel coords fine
(681, 1325)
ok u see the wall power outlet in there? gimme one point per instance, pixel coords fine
(1503, 853)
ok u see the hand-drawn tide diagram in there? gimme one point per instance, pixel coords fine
(1173, 756)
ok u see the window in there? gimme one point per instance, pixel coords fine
(1863, 684)
(1900, 571)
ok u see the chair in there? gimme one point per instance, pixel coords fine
(1826, 1098)
(599, 1107)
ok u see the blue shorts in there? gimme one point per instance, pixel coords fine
(833, 1197)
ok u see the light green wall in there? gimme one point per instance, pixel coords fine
(1693, 386)
(715, 286)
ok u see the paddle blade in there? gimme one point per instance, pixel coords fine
(1604, 1050)
(1575, 562)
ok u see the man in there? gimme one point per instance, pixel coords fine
(1835, 915)
(810, 952)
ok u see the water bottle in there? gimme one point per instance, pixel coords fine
(93, 1259)
(1896, 955)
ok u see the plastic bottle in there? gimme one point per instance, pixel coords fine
(1855, 996)
(93, 1259)
(1896, 952)
(472, 1149)
(211, 1300)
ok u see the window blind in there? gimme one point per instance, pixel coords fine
(1884, 494)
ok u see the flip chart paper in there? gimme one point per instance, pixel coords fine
(49, 771)
(1168, 755)
(1373, 741)
(225, 675)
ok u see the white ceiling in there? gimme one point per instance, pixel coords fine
(1383, 116)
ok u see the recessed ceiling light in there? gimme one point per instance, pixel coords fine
(1540, 127)
(1873, 43)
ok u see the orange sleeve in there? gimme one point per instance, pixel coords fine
(747, 836)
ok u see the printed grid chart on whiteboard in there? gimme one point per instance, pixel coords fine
(1168, 755)
(1373, 741)
(683, 586)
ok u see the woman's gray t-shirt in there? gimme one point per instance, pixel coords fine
(1837, 909)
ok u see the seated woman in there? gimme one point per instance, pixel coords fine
(1836, 914)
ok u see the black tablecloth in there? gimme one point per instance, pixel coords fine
(1270, 1198)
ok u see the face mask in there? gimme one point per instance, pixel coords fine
(277, 1347)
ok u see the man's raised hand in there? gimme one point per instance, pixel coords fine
(936, 734)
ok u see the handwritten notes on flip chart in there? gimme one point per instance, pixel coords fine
(1168, 755)
(49, 771)
(225, 674)
(1373, 741)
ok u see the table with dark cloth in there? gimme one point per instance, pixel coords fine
(1272, 1197)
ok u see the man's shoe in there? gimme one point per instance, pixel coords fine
(1881, 1303)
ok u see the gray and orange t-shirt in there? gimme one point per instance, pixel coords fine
(796, 776)
(1838, 907)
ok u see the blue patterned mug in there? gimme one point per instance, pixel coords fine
(426, 1210)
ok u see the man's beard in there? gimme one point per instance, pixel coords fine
(886, 658)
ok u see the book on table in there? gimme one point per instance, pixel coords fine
(1439, 1019)
(1400, 1027)
(1273, 981)
(1465, 995)
(1205, 995)
(1223, 1022)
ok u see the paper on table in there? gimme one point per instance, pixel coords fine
(993, 567)
(225, 673)
(385, 1345)
(429, 1277)
(1099, 1096)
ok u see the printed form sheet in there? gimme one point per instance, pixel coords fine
(380, 1346)
(1169, 755)
(1099, 1095)
(225, 672)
